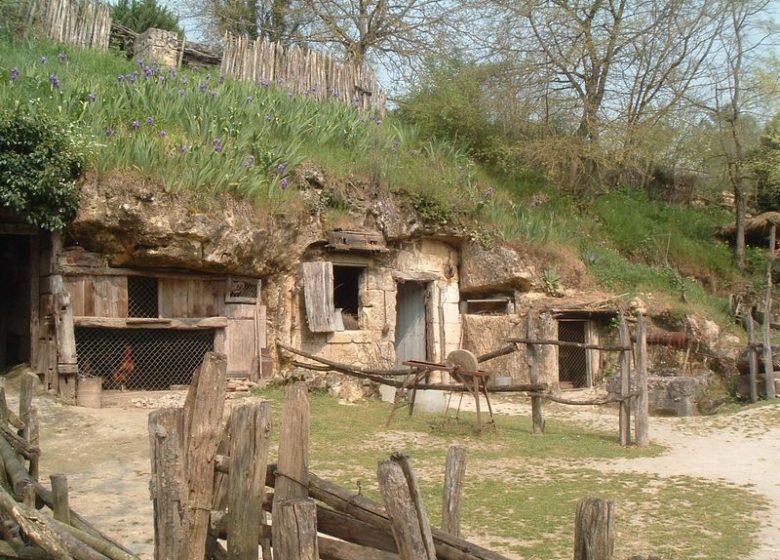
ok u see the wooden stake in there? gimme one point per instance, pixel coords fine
(413, 542)
(641, 420)
(594, 530)
(295, 529)
(250, 427)
(769, 369)
(454, 477)
(532, 358)
(625, 384)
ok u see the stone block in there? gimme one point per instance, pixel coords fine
(497, 269)
(158, 45)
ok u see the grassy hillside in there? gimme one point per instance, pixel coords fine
(197, 130)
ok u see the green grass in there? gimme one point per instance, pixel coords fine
(522, 489)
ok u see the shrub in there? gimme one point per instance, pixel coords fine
(38, 168)
(140, 15)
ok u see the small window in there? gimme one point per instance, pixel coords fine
(332, 296)
(346, 294)
(242, 290)
(142, 297)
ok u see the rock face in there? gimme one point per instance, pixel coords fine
(670, 394)
(141, 225)
(495, 269)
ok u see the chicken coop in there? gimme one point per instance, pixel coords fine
(147, 330)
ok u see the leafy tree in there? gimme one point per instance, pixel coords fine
(765, 164)
(38, 168)
(275, 20)
(140, 15)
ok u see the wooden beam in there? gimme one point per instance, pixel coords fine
(641, 419)
(204, 323)
(594, 530)
(625, 383)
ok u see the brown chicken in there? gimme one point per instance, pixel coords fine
(121, 375)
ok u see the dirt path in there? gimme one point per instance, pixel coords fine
(741, 448)
(105, 453)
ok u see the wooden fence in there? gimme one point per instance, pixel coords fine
(302, 71)
(211, 486)
(85, 23)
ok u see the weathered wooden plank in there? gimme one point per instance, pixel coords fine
(205, 323)
(250, 429)
(331, 549)
(594, 530)
(318, 294)
(454, 478)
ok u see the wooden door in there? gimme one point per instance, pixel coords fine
(410, 332)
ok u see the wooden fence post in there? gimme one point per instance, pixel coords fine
(641, 420)
(295, 529)
(454, 476)
(532, 358)
(752, 356)
(769, 369)
(166, 487)
(293, 463)
(625, 383)
(407, 516)
(59, 491)
(594, 530)
(250, 428)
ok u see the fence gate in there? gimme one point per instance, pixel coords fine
(572, 362)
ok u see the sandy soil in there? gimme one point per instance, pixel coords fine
(105, 453)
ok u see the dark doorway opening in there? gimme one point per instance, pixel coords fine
(15, 304)
(346, 294)
(572, 362)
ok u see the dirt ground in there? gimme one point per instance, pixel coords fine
(105, 453)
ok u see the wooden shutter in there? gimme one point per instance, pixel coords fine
(318, 293)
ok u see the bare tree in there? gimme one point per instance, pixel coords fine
(396, 28)
(619, 65)
(732, 93)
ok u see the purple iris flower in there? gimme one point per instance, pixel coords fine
(150, 121)
(109, 132)
(280, 169)
(488, 194)
(120, 78)
(248, 162)
(202, 87)
(217, 145)
(221, 78)
(283, 183)
(184, 148)
(54, 81)
(91, 97)
(182, 92)
(43, 60)
(14, 74)
(148, 73)
(62, 57)
(269, 118)
(136, 125)
(163, 134)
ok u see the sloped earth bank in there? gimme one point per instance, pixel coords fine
(105, 453)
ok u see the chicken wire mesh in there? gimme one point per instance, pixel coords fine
(142, 296)
(572, 362)
(141, 359)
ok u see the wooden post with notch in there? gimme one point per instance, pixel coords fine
(594, 530)
(407, 517)
(250, 429)
(769, 370)
(625, 383)
(454, 477)
(532, 358)
(641, 419)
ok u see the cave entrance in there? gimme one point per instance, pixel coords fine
(15, 299)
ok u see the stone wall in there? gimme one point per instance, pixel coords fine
(158, 45)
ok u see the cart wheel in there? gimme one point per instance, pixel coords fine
(464, 359)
